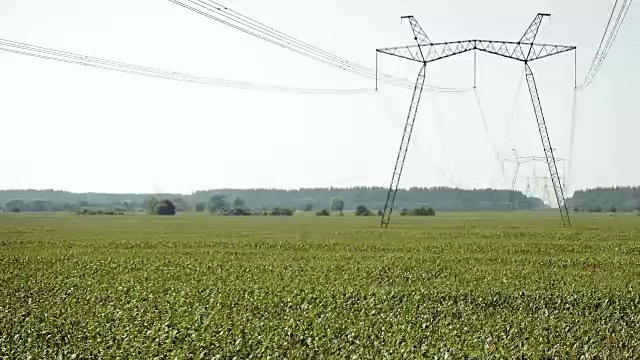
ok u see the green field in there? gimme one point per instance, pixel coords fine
(196, 286)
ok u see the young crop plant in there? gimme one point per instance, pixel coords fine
(491, 286)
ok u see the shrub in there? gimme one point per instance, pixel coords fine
(419, 212)
(362, 211)
(613, 209)
(218, 203)
(166, 208)
(404, 212)
(236, 211)
(281, 212)
(322, 212)
(422, 211)
(91, 212)
(200, 206)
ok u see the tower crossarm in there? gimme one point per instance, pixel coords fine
(411, 52)
(519, 51)
(509, 49)
(532, 31)
(419, 35)
(432, 52)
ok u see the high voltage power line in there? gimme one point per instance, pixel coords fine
(608, 38)
(257, 29)
(77, 59)
(237, 21)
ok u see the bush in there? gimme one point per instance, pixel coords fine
(362, 211)
(91, 212)
(237, 211)
(218, 203)
(380, 213)
(613, 209)
(15, 209)
(281, 212)
(323, 212)
(200, 206)
(167, 208)
(419, 212)
(422, 211)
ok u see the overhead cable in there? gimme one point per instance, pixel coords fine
(514, 107)
(77, 59)
(606, 42)
(390, 115)
(571, 140)
(608, 38)
(247, 25)
(280, 35)
(496, 151)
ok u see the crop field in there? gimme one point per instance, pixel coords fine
(196, 286)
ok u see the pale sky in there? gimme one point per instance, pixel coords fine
(82, 129)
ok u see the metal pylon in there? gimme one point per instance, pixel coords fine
(546, 144)
(404, 147)
(525, 50)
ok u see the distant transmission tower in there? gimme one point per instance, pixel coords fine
(546, 197)
(425, 51)
(521, 160)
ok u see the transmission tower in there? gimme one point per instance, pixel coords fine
(425, 51)
(521, 160)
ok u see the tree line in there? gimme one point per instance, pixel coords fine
(611, 199)
(441, 198)
(265, 200)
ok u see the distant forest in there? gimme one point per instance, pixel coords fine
(615, 199)
(441, 199)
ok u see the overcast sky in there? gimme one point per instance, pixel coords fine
(81, 129)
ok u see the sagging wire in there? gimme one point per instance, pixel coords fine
(252, 27)
(77, 59)
(385, 102)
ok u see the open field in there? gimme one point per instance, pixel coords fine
(195, 286)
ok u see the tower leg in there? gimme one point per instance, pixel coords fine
(404, 146)
(546, 144)
(513, 185)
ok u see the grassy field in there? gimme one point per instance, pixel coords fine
(458, 285)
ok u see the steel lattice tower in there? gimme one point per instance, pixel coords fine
(525, 51)
(520, 160)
